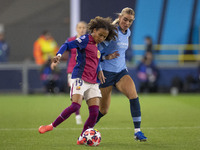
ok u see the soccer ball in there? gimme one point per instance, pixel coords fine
(92, 137)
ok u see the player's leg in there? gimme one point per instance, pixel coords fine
(106, 90)
(78, 117)
(127, 87)
(104, 102)
(77, 113)
(92, 97)
(76, 104)
(93, 106)
(76, 95)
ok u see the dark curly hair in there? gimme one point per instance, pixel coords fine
(105, 23)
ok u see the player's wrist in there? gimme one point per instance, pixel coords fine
(59, 55)
(105, 57)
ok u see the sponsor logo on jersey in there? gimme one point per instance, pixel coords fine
(83, 37)
(79, 40)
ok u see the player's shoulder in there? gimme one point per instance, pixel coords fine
(121, 34)
(83, 39)
(128, 32)
(71, 38)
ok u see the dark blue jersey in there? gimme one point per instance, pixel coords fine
(87, 63)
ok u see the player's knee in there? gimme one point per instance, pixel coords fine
(132, 97)
(104, 111)
(75, 107)
(131, 93)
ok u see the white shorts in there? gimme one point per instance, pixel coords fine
(87, 90)
(70, 80)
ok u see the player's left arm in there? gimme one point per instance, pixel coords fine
(110, 56)
(104, 55)
(101, 76)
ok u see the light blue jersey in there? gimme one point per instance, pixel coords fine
(121, 45)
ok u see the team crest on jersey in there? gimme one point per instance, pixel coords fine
(78, 88)
(98, 54)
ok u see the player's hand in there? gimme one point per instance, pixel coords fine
(53, 65)
(101, 77)
(113, 55)
(56, 59)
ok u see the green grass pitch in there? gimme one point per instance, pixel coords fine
(169, 122)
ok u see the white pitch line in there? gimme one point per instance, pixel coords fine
(63, 129)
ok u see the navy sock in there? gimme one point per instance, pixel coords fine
(99, 116)
(135, 112)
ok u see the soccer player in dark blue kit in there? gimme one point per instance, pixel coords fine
(115, 71)
(85, 72)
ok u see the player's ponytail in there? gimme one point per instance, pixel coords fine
(116, 21)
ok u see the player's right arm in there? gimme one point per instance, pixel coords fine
(79, 43)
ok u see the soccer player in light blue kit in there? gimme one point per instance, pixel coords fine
(115, 70)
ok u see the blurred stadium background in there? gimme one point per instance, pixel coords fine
(169, 122)
(174, 26)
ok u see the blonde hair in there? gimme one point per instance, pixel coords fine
(81, 22)
(126, 10)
